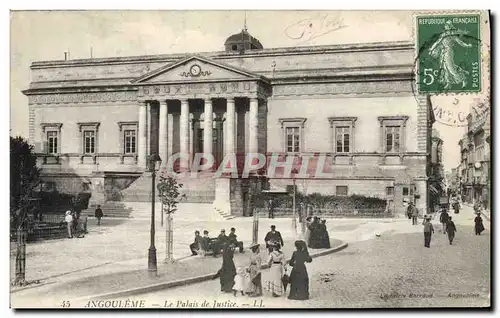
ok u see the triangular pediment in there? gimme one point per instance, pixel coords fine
(195, 68)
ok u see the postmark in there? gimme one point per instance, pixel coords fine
(449, 53)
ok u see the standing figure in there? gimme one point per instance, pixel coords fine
(239, 281)
(428, 230)
(270, 208)
(451, 229)
(478, 224)
(228, 270)
(325, 238)
(414, 213)
(255, 271)
(69, 223)
(443, 218)
(98, 214)
(314, 234)
(299, 279)
(276, 263)
(273, 237)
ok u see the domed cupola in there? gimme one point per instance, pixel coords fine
(241, 42)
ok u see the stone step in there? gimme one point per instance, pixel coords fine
(199, 189)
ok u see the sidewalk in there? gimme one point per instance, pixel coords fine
(99, 264)
(185, 271)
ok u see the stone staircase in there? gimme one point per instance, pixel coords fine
(199, 189)
(223, 214)
(112, 209)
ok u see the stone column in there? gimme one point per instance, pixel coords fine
(163, 135)
(148, 129)
(253, 122)
(230, 125)
(141, 149)
(207, 127)
(184, 133)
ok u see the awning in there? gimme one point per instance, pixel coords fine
(434, 190)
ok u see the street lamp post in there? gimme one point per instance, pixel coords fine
(154, 165)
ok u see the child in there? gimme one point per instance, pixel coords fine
(239, 281)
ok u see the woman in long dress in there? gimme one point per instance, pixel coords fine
(299, 279)
(274, 284)
(228, 270)
(255, 271)
(478, 224)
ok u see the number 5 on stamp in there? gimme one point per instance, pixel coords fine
(449, 56)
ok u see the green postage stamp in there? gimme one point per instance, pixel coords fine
(449, 56)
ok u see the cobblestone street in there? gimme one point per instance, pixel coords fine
(390, 271)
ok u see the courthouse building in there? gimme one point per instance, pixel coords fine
(94, 122)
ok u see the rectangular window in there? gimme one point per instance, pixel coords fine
(292, 139)
(341, 190)
(392, 138)
(89, 141)
(405, 191)
(52, 142)
(389, 191)
(130, 141)
(342, 137)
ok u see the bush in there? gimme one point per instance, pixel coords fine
(333, 202)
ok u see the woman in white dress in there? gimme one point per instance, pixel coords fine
(276, 262)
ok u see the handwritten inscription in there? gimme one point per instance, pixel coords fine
(315, 27)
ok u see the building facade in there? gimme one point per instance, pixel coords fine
(475, 167)
(437, 188)
(94, 122)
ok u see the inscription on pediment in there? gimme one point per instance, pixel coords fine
(195, 70)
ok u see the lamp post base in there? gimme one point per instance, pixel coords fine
(169, 261)
(152, 268)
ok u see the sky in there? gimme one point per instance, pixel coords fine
(46, 35)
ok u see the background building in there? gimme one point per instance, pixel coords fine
(475, 148)
(437, 187)
(94, 122)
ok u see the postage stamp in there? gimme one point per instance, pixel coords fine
(449, 53)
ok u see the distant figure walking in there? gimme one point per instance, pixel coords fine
(69, 223)
(98, 214)
(428, 231)
(443, 218)
(413, 211)
(299, 279)
(451, 229)
(478, 224)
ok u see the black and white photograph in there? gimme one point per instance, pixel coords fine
(246, 159)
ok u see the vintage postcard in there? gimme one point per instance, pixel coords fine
(250, 159)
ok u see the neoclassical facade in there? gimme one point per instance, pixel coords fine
(94, 122)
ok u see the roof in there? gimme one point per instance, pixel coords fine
(243, 36)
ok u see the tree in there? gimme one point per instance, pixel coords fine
(24, 178)
(168, 190)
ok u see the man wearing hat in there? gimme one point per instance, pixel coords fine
(273, 237)
(219, 243)
(428, 231)
(233, 239)
(413, 212)
(205, 243)
(68, 218)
